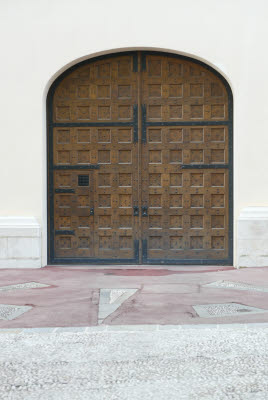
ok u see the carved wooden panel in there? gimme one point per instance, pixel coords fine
(140, 164)
(100, 91)
(188, 208)
(112, 193)
(178, 90)
(99, 215)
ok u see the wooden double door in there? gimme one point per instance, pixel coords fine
(140, 167)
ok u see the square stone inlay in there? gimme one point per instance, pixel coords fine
(225, 310)
(236, 286)
(27, 285)
(9, 311)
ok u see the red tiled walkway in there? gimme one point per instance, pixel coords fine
(165, 295)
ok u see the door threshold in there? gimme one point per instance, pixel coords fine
(182, 268)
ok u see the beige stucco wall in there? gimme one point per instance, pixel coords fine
(41, 38)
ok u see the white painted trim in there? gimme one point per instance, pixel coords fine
(252, 237)
(19, 227)
(20, 242)
(256, 213)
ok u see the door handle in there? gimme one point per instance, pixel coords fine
(144, 211)
(136, 211)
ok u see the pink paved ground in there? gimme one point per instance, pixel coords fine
(165, 295)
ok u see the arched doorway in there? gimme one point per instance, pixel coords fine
(140, 162)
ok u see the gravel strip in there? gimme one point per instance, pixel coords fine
(172, 364)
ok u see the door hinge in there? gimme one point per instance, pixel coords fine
(64, 191)
(64, 232)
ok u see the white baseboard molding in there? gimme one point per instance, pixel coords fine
(252, 237)
(20, 242)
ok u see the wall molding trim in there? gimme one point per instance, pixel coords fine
(252, 237)
(257, 213)
(20, 242)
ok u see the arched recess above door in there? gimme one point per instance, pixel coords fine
(140, 162)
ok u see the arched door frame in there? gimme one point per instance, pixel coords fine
(49, 112)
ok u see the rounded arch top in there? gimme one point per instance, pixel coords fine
(196, 58)
(187, 71)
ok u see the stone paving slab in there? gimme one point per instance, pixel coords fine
(236, 286)
(28, 285)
